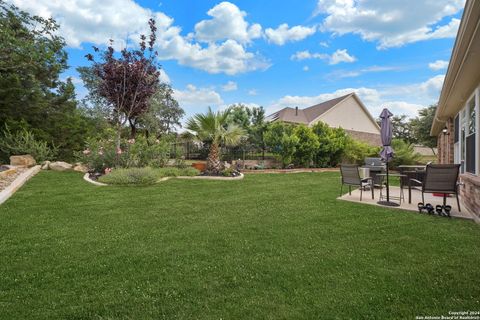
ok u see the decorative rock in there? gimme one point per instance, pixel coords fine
(46, 165)
(80, 168)
(22, 161)
(60, 166)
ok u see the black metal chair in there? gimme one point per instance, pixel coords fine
(351, 177)
(439, 178)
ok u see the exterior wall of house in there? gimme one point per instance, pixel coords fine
(349, 115)
(445, 144)
(373, 139)
(447, 153)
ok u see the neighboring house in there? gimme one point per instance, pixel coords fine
(347, 112)
(457, 120)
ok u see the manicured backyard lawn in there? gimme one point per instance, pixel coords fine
(267, 247)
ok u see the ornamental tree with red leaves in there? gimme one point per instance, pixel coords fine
(127, 80)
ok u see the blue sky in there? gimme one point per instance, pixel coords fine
(276, 53)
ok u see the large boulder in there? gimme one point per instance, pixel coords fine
(46, 165)
(60, 166)
(80, 168)
(25, 160)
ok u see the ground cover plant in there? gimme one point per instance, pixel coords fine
(144, 176)
(265, 247)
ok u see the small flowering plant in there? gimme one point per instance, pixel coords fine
(101, 155)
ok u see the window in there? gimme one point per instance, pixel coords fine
(465, 137)
(470, 137)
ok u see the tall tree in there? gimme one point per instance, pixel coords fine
(421, 126)
(402, 128)
(164, 113)
(32, 97)
(128, 81)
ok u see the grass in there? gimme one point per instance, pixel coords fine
(266, 247)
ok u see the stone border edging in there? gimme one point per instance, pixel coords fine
(86, 177)
(18, 183)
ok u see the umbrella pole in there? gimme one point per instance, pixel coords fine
(388, 203)
(388, 186)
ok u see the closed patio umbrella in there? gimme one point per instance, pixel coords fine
(387, 152)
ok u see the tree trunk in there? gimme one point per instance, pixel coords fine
(213, 161)
(133, 129)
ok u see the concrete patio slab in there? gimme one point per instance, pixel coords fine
(416, 198)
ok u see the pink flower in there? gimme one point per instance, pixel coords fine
(131, 141)
(86, 151)
(119, 151)
(108, 170)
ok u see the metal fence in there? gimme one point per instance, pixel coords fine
(195, 151)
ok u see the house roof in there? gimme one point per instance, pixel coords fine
(462, 74)
(306, 115)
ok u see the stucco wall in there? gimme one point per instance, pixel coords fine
(350, 116)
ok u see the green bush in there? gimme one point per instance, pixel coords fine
(404, 153)
(282, 141)
(332, 144)
(130, 176)
(307, 146)
(356, 151)
(177, 172)
(24, 142)
(100, 154)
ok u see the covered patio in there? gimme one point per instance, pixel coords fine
(416, 198)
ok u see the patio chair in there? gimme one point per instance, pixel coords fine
(351, 177)
(439, 178)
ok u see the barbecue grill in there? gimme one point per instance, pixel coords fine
(375, 166)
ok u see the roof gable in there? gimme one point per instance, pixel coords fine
(313, 112)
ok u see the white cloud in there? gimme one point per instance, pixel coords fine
(419, 96)
(349, 73)
(96, 22)
(438, 65)
(227, 23)
(164, 77)
(387, 22)
(252, 92)
(341, 55)
(306, 68)
(197, 97)
(283, 34)
(230, 86)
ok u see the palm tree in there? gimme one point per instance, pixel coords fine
(215, 128)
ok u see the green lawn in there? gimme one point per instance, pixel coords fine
(266, 247)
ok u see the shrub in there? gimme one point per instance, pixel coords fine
(282, 141)
(332, 144)
(307, 146)
(176, 172)
(356, 151)
(24, 142)
(141, 152)
(130, 176)
(404, 153)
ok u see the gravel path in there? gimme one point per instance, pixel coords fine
(5, 181)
